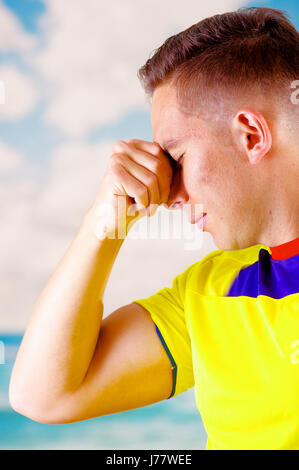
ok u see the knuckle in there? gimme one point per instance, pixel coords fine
(141, 190)
(156, 148)
(155, 165)
(119, 142)
(118, 146)
(159, 167)
(115, 159)
(116, 171)
(141, 193)
(152, 179)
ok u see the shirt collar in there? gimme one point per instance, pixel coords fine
(285, 250)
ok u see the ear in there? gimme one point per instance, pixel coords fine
(252, 134)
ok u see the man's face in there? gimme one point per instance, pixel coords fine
(212, 172)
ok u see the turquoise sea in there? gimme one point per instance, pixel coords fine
(170, 424)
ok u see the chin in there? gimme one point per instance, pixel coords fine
(227, 244)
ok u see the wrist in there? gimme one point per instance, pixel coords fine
(100, 228)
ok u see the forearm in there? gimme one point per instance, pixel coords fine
(64, 327)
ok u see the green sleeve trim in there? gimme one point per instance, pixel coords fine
(172, 361)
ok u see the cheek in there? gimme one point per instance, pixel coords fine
(202, 175)
(216, 185)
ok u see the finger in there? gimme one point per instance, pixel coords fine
(168, 164)
(143, 174)
(128, 184)
(154, 163)
(151, 147)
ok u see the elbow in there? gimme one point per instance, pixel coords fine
(32, 408)
(25, 409)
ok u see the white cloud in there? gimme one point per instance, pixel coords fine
(21, 94)
(75, 174)
(93, 51)
(40, 217)
(12, 36)
(2, 92)
(10, 159)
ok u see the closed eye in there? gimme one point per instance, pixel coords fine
(177, 163)
(174, 163)
(179, 160)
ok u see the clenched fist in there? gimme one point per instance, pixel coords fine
(138, 175)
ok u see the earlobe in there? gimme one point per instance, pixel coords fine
(252, 131)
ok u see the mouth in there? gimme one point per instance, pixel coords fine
(196, 221)
(201, 222)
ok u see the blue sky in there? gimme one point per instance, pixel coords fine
(28, 12)
(31, 135)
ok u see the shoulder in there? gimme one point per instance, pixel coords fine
(213, 274)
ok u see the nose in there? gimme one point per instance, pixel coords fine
(178, 194)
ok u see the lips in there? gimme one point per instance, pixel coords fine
(201, 221)
(192, 221)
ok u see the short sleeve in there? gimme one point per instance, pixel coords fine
(167, 311)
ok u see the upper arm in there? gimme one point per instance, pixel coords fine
(129, 369)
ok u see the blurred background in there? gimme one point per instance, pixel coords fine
(68, 70)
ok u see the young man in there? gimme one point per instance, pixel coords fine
(224, 118)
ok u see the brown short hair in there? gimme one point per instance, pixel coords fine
(240, 51)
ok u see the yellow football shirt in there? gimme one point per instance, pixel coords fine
(230, 327)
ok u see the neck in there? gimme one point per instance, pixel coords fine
(279, 216)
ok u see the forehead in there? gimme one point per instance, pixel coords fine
(168, 121)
